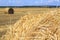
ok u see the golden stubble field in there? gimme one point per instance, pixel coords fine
(7, 20)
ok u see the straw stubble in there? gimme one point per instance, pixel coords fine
(44, 26)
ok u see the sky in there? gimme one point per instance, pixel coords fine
(29, 2)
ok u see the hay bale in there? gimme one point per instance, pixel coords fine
(35, 27)
(9, 11)
(6, 10)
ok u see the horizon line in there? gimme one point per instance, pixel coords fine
(29, 6)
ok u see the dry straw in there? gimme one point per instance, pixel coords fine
(44, 26)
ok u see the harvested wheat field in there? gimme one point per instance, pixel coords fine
(43, 26)
(30, 24)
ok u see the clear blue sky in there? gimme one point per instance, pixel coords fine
(29, 2)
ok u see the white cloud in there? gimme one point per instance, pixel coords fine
(39, 2)
(53, 0)
(57, 0)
